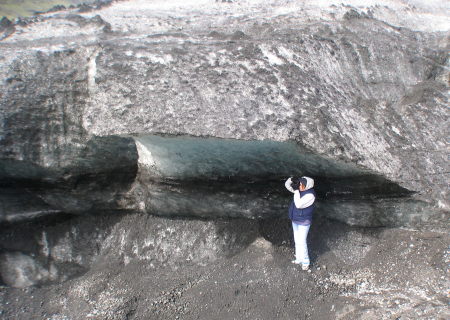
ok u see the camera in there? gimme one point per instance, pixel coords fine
(295, 183)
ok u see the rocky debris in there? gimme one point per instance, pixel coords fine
(168, 301)
(19, 270)
(57, 248)
(58, 7)
(84, 22)
(402, 274)
(6, 28)
(60, 250)
(89, 6)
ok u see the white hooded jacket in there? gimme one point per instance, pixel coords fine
(307, 199)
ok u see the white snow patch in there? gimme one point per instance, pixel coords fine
(145, 156)
(154, 58)
(396, 130)
(44, 244)
(286, 53)
(92, 71)
(62, 251)
(442, 205)
(212, 58)
(271, 57)
(29, 215)
(246, 64)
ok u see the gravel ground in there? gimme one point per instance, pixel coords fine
(356, 274)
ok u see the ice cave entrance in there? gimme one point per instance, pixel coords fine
(244, 176)
(229, 178)
(197, 158)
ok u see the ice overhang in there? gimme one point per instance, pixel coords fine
(196, 158)
(212, 177)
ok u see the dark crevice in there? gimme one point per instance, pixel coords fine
(359, 187)
(327, 188)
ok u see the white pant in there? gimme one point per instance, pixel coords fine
(301, 248)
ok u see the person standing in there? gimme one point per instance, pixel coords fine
(300, 212)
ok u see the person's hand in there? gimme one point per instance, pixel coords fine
(288, 184)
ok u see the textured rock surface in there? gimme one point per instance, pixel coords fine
(349, 83)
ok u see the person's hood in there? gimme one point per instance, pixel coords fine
(309, 183)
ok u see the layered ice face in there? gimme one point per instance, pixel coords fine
(212, 177)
